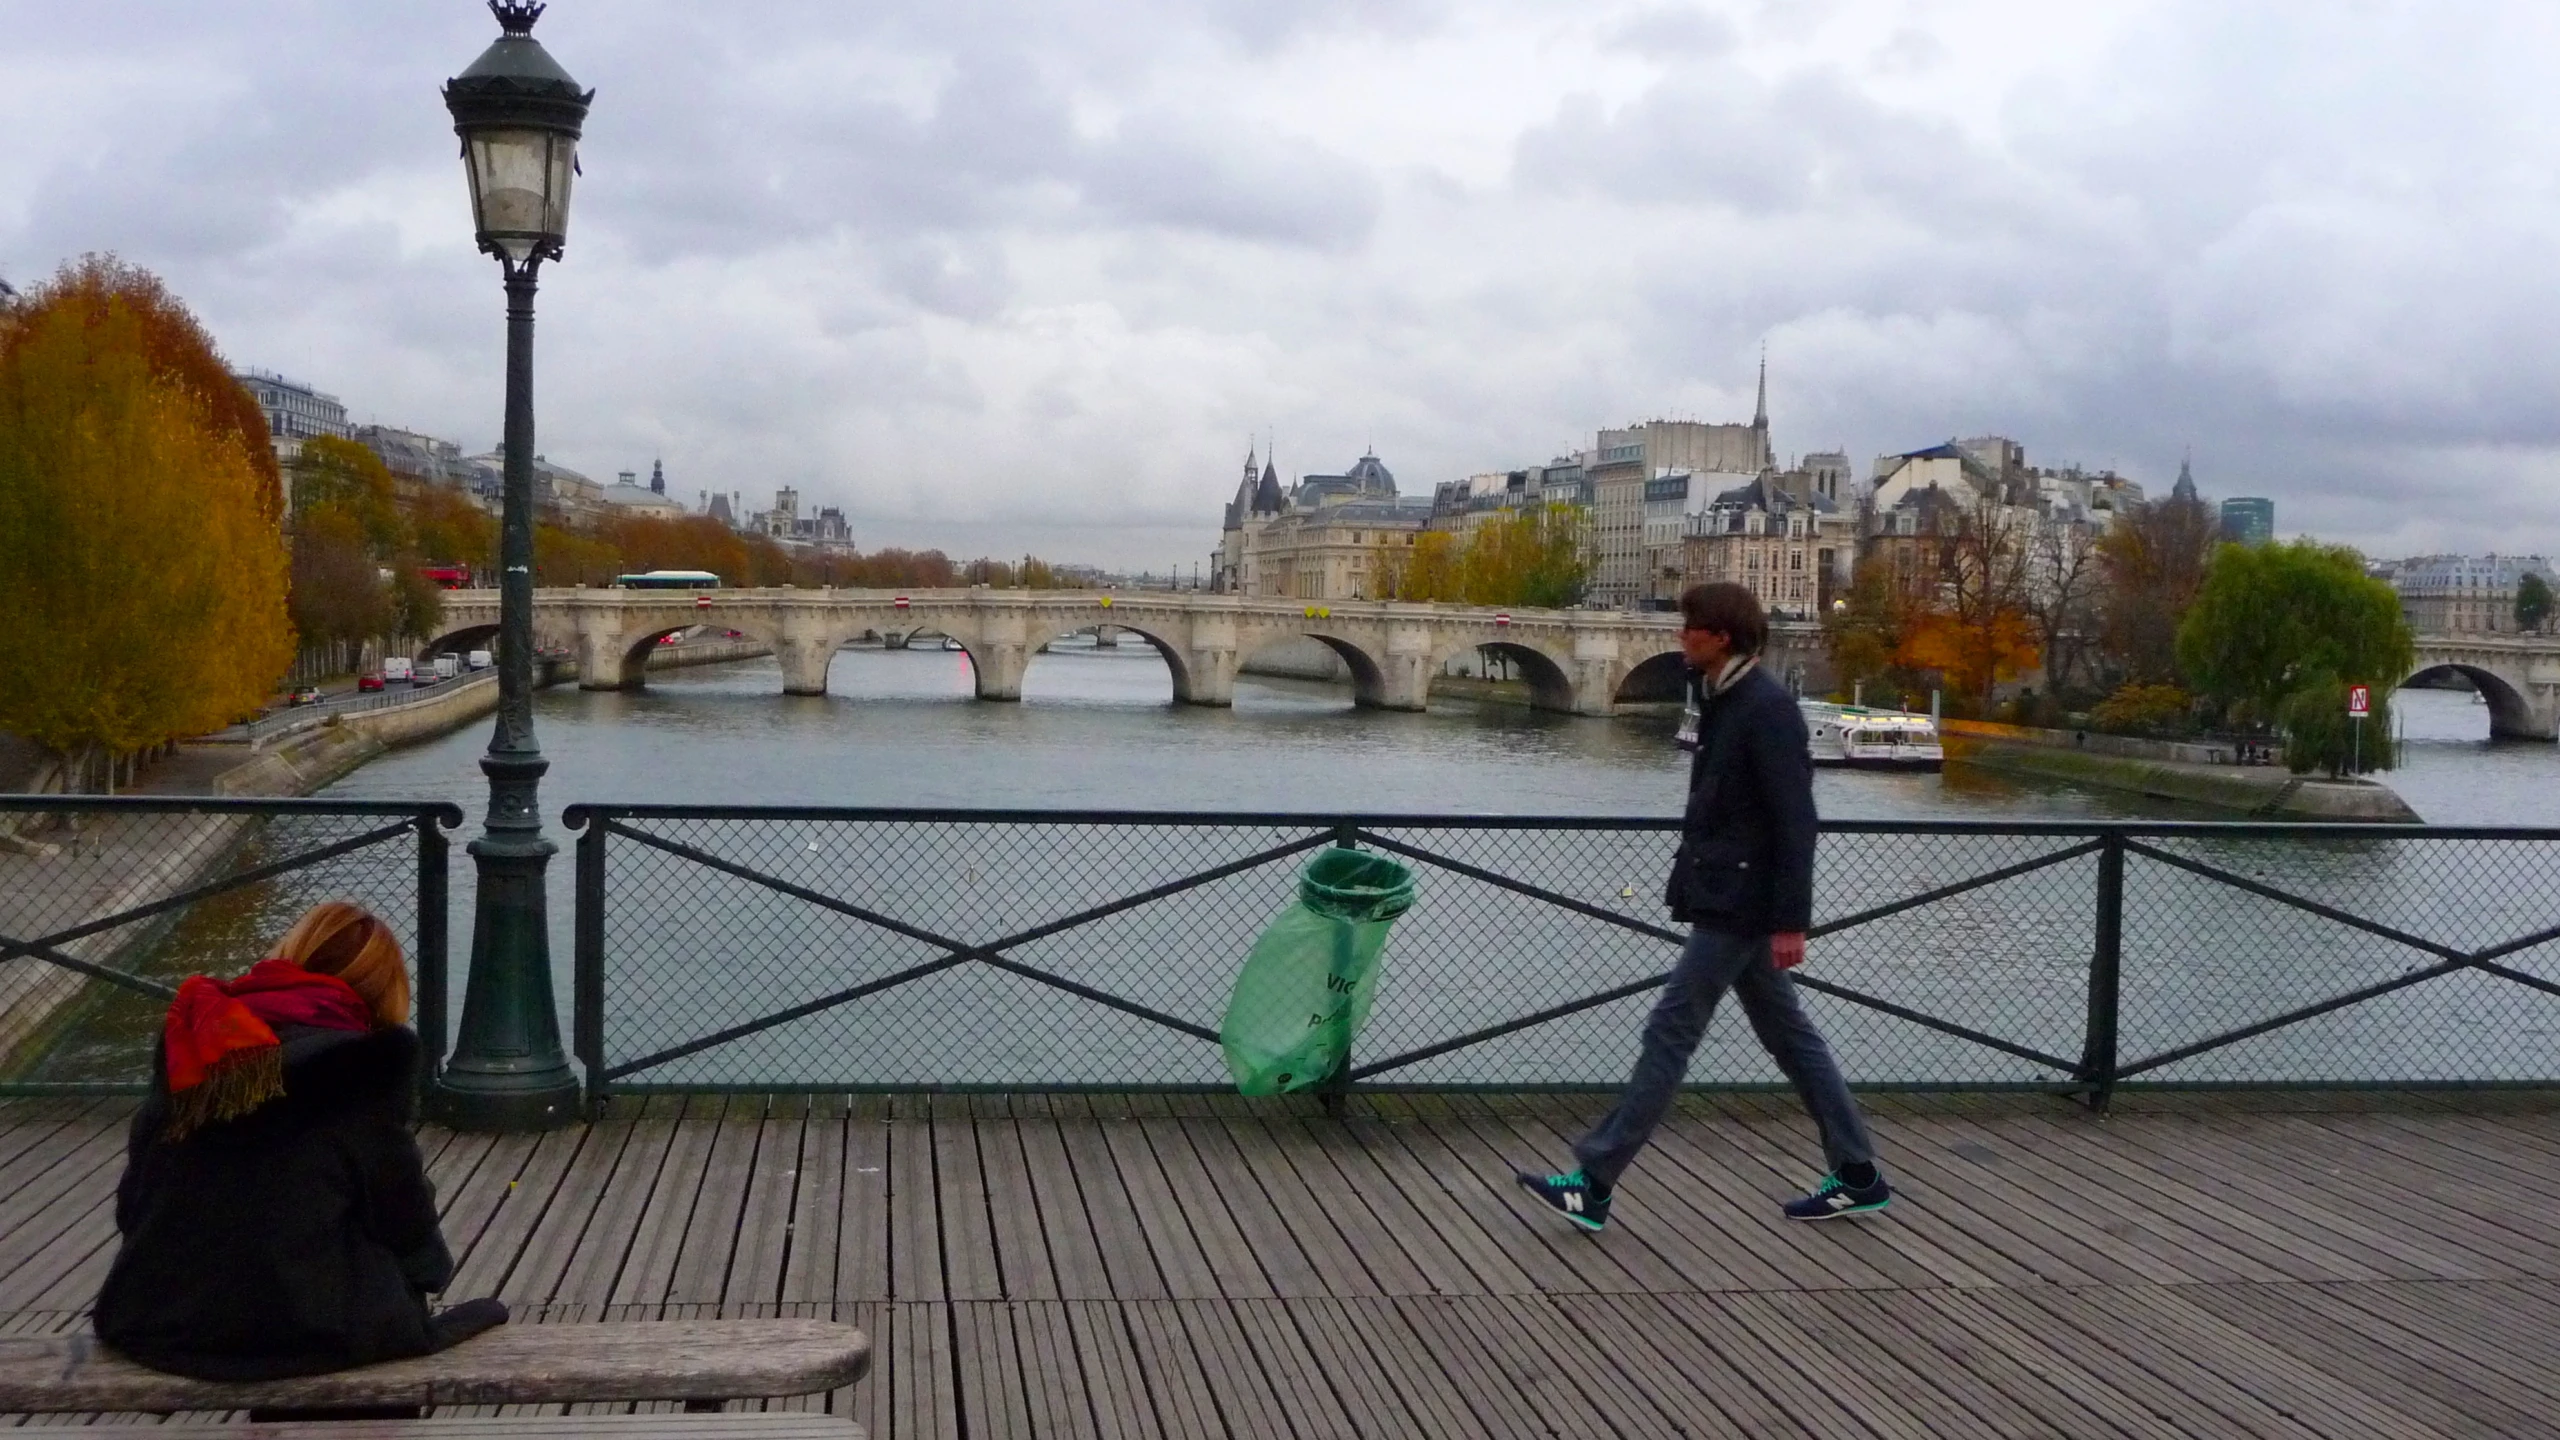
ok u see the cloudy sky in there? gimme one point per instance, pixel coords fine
(1007, 275)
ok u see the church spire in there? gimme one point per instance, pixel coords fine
(2185, 489)
(1760, 413)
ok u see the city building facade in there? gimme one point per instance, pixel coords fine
(295, 412)
(1627, 565)
(418, 463)
(570, 498)
(2464, 594)
(1790, 548)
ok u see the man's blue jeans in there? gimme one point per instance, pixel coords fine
(1712, 963)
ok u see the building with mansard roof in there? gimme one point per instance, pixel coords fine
(1787, 543)
(1321, 539)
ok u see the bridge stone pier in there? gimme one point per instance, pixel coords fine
(1584, 662)
(2519, 675)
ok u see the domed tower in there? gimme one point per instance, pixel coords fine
(1376, 482)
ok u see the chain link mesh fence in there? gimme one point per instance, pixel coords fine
(893, 950)
(2392, 912)
(106, 904)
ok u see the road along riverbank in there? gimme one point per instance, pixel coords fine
(127, 862)
(303, 761)
(2167, 770)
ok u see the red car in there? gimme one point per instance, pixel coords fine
(368, 682)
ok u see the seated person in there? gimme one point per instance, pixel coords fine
(276, 1213)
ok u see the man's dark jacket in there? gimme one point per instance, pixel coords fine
(1745, 863)
(297, 1239)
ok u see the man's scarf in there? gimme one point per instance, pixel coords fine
(1732, 673)
(220, 1040)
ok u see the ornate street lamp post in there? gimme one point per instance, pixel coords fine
(518, 114)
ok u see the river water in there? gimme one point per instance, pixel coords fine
(693, 950)
(1097, 729)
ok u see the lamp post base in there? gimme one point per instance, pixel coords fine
(508, 1072)
(546, 1103)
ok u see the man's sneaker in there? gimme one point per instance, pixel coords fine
(1836, 1199)
(1569, 1195)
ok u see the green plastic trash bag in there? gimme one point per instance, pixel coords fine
(1304, 992)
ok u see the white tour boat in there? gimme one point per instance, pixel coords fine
(1867, 739)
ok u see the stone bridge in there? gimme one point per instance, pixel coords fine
(1585, 662)
(2519, 675)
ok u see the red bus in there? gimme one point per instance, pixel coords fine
(447, 577)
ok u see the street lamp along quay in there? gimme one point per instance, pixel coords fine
(518, 114)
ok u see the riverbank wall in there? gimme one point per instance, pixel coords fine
(2168, 770)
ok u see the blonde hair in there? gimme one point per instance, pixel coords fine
(352, 943)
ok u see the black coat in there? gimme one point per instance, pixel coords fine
(298, 1239)
(1745, 863)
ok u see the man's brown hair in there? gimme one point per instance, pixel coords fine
(1729, 610)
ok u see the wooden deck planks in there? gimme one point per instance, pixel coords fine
(1149, 1266)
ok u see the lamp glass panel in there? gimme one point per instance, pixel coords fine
(511, 172)
(564, 158)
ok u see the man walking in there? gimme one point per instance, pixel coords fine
(1743, 880)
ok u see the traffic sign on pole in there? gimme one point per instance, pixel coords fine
(2359, 700)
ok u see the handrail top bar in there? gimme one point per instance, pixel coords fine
(578, 815)
(447, 813)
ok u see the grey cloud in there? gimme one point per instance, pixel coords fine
(816, 242)
(1674, 30)
(1176, 170)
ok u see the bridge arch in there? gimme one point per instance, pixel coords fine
(480, 632)
(1174, 662)
(2511, 711)
(1660, 676)
(615, 656)
(462, 639)
(1549, 676)
(1368, 676)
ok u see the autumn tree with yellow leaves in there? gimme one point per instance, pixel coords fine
(138, 522)
(1519, 557)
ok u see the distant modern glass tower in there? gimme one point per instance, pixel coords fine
(2248, 520)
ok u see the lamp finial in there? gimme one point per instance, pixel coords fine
(516, 17)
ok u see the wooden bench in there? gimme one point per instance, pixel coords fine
(698, 1362)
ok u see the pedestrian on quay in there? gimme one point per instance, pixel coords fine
(275, 1209)
(1742, 879)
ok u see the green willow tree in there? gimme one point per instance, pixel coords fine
(2278, 631)
(2533, 603)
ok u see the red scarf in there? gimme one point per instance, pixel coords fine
(220, 1040)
